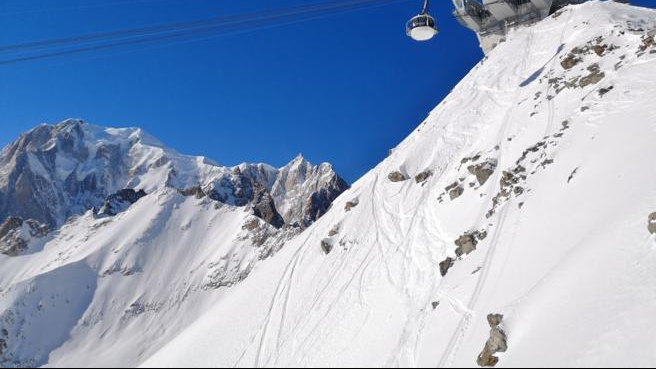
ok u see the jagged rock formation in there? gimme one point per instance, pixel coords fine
(498, 342)
(16, 234)
(120, 201)
(54, 172)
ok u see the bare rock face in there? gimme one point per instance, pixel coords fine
(120, 201)
(467, 242)
(351, 204)
(423, 176)
(446, 265)
(454, 190)
(265, 208)
(397, 177)
(195, 191)
(483, 171)
(326, 246)
(652, 223)
(595, 76)
(16, 235)
(304, 192)
(498, 342)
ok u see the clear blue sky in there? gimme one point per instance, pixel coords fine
(343, 89)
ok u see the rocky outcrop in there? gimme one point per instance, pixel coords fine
(397, 177)
(304, 192)
(195, 191)
(16, 235)
(351, 204)
(455, 190)
(446, 265)
(265, 208)
(120, 202)
(423, 176)
(326, 246)
(483, 171)
(498, 342)
(467, 242)
(651, 225)
(595, 76)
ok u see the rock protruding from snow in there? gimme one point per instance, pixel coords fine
(483, 171)
(498, 342)
(120, 201)
(652, 223)
(397, 177)
(16, 235)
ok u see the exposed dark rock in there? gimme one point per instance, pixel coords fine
(334, 231)
(326, 246)
(195, 191)
(599, 49)
(397, 177)
(467, 243)
(570, 61)
(423, 176)
(435, 304)
(652, 223)
(351, 204)
(595, 76)
(319, 203)
(16, 233)
(455, 190)
(446, 265)
(647, 42)
(265, 208)
(234, 190)
(483, 171)
(603, 91)
(498, 342)
(120, 201)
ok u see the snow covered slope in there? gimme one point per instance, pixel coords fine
(530, 188)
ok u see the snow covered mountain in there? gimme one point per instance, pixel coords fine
(516, 226)
(83, 208)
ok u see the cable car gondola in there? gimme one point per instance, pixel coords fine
(422, 27)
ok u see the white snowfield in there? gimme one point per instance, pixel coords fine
(563, 112)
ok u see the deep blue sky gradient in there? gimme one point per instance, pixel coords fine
(343, 89)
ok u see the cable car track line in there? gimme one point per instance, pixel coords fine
(208, 30)
(183, 26)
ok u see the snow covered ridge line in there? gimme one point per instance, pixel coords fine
(54, 172)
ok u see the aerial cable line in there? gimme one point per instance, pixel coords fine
(234, 32)
(186, 25)
(352, 6)
(85, 6)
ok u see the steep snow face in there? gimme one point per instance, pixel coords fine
(530, 188)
